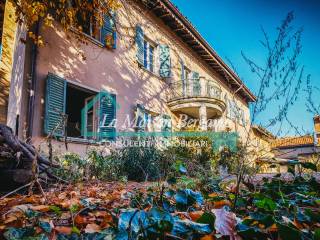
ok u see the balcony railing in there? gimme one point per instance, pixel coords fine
(190, 88)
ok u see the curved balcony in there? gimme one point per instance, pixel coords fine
(189, 95)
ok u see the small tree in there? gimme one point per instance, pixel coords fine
(280, 79)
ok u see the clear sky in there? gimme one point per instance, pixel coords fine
(232, 26)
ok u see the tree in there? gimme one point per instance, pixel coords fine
(68, 13)
(280, 79)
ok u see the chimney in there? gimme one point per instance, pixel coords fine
(316, 121)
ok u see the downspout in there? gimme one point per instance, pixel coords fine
(33, 79)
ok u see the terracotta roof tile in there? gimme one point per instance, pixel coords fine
(292, 141)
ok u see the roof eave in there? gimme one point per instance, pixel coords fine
(178, 16)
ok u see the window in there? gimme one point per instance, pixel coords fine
(104, 32)
(89, 114)
(234, 112)
(185, 75)
(76, 99)
(148, 56)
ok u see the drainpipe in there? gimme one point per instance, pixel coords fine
(33, 79)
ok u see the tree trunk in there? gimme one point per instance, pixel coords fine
(16, 159)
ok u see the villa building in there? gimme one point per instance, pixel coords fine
(146, 61)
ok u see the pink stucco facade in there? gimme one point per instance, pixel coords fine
(92, 66)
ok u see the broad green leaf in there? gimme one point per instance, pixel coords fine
(187, 228)
(45, 226)
(253, 233)
(266, 204)
(316, 235)
(286, 232)
(207, 218)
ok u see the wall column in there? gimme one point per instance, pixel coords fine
(203, 118)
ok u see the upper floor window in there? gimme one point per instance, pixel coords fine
(234, 112)
(148, 55)
(98, 26)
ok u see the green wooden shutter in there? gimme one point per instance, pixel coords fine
(140, 44)
(196, 84)
(165, 61)
(107, 113)
(108, 31)
(55, 104)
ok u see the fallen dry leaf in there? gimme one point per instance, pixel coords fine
(225, 223)
(222, 203)
(63, 229)
(40, 208)
(92, 228)
(208, 237)
(195, 215)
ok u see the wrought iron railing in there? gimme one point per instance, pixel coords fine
(188, 88)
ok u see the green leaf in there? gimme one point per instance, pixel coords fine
(266, 203)
(56, 210)
(161, 221)
(14, 234)
(75, 230)
(45, 226)
(316, 235)
(309, 165)
(132, 220)
(187, 227)
(253, 233)
(287, 232)
(207, 218)
(74, 208)
(266, 219)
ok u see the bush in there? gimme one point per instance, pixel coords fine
(140, 163)
(199, 161)
(94, 166)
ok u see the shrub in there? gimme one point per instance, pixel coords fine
(140, 163)
(94, 166)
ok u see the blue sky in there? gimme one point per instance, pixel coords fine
(232, 26)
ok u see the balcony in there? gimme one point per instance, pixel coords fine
(196, 98)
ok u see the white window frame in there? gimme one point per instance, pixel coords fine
(146, 62)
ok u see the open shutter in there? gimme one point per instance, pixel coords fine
(196, 83)
(108, 31)
(166, 123)
(183, 79)
(140, 118)
(55, 105)
(140, 44)
(107, 114)
(165, 61)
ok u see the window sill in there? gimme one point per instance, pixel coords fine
(152, 73)
(79, 141)
(88, 37)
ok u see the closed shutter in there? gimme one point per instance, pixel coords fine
(165, 61)
(108, 31)
(107, 115)
(140, 44)
(196, 83)
(55, 105)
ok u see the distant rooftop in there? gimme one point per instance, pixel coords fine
(288, 142)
